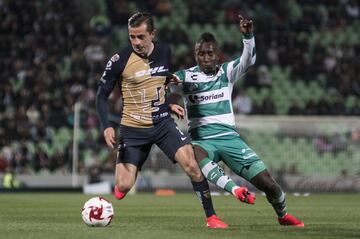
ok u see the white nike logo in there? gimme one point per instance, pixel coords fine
(183, 138)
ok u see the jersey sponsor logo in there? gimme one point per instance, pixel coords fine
(153, 117)
(194, 77)
(197, 99)
(151, 71)
(198, 77)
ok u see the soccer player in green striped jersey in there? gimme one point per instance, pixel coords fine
(206, 89)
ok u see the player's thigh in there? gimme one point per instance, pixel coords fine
(133, 154)
(186, 158)
(134, 146)
(199, 153)
(240, 158)
(205, 147)
(169, 138)
(129, 160)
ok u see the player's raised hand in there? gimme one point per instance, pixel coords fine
(109, 135)
(178, 110)
(246, 26)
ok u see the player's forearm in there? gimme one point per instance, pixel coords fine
(246, 60)
(248, 56)
(102, 108)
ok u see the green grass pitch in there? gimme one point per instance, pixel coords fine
(57, 215)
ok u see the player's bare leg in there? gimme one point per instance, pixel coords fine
(215, 174)
(125, 177)
(276, 197)
(185, 157)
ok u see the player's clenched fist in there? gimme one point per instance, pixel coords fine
(246, 26)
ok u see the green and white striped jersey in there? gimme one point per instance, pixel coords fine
(208, 97)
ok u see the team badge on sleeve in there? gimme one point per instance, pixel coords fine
(115, 57)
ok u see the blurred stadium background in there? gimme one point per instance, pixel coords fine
(298, 107)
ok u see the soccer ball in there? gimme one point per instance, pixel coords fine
(97, 212)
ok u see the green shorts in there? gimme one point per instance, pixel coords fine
(235, 153)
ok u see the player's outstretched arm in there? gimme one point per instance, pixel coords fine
(240, 66)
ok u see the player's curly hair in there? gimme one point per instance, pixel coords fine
(139, 18)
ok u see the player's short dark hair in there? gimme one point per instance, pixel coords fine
(207, 37)
(139, 18)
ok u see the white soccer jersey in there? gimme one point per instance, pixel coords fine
(208, 97)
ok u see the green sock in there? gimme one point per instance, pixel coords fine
(214, 173)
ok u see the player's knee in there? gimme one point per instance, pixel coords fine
(272, 188)
(200, 153)
(193, 171)
(124, 185)
(185, 157)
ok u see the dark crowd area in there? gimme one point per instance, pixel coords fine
(52, 54)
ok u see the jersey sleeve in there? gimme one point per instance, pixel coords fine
(237, 68)
(178, 89)
(111, 74)
(106, 85)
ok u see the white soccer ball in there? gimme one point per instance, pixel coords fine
(97, 212)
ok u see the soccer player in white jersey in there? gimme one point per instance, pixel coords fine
(206, 89)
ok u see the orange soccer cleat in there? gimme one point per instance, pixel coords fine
(215, 222)
(118, 195)
(243, 194)
(289, 220)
